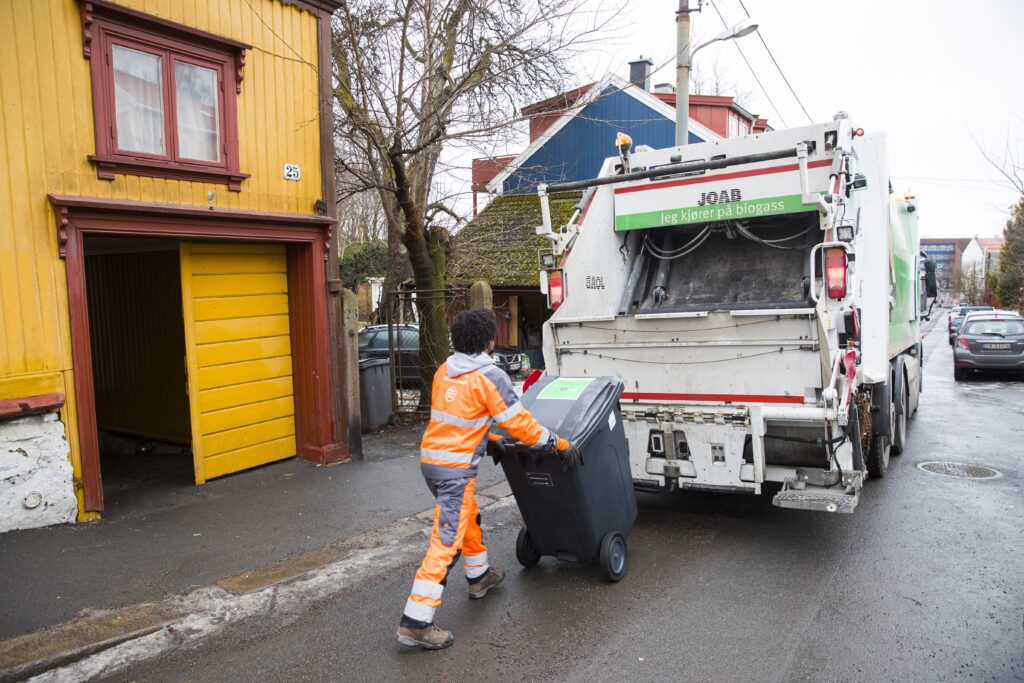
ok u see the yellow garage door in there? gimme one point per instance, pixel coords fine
(238, 354)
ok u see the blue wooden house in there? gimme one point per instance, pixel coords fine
(573, 133)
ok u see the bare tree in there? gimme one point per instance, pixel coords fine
(1009, 162)
(416, 76)
(715, 81)
(360, 219)
(972, 284)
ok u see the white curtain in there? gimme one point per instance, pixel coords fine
(197, 109)
(139, 101)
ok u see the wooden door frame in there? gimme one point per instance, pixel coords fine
(306, 238)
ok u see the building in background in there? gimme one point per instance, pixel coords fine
(572, 133)
(166, 273)
(980, 258)
(947, 254)
(501, 248)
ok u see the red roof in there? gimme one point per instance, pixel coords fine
(559, 102)
(711, 111)
(991, 243)
(485, 169)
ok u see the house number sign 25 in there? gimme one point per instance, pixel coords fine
(292, 172)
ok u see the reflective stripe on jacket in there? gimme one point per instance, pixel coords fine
(470, 393)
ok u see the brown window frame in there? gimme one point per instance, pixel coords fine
(104, 25)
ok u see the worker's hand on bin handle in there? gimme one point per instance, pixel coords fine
(567, 452)
(495, 446)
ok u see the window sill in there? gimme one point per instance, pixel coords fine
(107, 168)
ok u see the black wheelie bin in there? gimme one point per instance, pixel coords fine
(579, 509)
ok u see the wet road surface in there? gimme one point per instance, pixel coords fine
(922, 582)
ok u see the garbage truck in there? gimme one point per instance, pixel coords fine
(761, 300)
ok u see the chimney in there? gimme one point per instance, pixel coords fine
(665, 88)
(640, 72)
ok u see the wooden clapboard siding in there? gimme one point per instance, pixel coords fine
(46, 146)
(235, 304)
(47, 134)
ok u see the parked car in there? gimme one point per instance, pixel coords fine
(989, 342)
(955, 319)
(953, 312)
(373, 343)
(509, 360)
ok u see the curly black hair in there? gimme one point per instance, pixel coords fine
(473, 330)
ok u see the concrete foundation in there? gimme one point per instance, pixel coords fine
(36, 487)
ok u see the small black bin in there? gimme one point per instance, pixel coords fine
(581, 512)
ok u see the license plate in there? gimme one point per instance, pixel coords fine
(996, 347)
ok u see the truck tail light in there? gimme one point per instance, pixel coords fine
(556, 289)
(532, 379)
(835, 272)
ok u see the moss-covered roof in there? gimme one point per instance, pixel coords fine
(500, 245)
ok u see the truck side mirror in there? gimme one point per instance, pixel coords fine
(931, 286)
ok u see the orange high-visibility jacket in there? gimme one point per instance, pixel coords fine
(470, 393)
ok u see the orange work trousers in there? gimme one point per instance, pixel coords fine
(456, 531)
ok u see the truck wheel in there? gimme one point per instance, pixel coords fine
(878, 456)
(899, 440)
(526, 552)
(613, 556)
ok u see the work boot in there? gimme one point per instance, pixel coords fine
(429, 638)
(489, 580)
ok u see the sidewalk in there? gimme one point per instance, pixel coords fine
(154, 542)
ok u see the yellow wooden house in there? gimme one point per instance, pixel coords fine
(167, 267)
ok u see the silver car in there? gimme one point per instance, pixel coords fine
(989, 341)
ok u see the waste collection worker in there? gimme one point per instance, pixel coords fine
(470, 393)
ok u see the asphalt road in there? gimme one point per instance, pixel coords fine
(923, 583)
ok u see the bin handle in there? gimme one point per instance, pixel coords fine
(536, 452)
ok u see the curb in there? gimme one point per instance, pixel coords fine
(41, 651)
(33, 653)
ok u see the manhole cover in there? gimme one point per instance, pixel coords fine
(959, 469)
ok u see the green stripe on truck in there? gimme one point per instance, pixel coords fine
(751, 208)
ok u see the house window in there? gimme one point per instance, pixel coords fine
(138, 101)
(738, 126)
(163, 97)
(197, 111)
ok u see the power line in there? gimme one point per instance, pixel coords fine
(776, 63)
(752, 72)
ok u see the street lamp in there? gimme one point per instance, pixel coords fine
(684, 59)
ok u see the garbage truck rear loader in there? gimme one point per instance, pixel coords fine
(760, 299)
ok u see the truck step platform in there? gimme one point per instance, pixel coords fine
(820, 500)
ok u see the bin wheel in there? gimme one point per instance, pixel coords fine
(613, 556)
(526, 552)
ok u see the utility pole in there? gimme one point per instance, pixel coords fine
(683, 71)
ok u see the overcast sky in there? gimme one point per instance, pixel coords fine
(929, 73)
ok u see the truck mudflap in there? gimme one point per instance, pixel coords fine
(798, 493)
